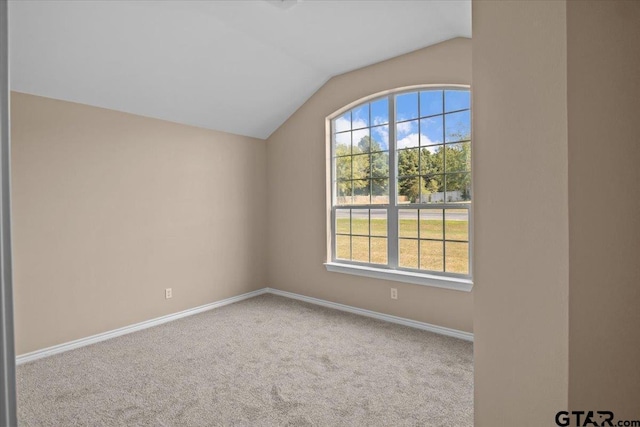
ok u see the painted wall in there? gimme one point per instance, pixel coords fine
(604, 157)
(297, 194)
(521, 212)
(109, 209)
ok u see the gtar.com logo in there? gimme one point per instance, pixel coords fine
(584, 418)
(591, 418)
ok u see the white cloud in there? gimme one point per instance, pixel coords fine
(425, 140)
(379, 120)
(405, 128)
(359, 123)
(343, 139)
(383, 134)
(341, 124)
(357, 135)
(413, 140)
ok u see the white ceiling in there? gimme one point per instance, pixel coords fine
(237, 66)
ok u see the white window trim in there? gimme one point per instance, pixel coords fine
(398, 275)
(424, 279)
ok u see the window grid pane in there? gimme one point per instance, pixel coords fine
(379, 250)
(378, 222)
(431, 255)
(408, 256)
(456, 225)
(343, 247)
(457, 257)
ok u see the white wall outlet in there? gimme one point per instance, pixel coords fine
(168, 293)
(394, 293)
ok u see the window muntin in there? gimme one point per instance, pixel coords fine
(413, 182)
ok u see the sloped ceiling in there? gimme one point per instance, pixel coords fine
(237, 66)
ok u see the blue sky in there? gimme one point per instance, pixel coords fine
(409, 108)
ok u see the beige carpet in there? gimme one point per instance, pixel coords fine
(266, 361)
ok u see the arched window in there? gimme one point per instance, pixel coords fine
(401, 187)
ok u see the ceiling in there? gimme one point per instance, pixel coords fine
(237, 66)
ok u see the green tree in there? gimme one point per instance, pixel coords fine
(458, 159)
(432, 169)
(343, 169)
(374, 166)
(378, 166)
(428, 170)
(408, 173)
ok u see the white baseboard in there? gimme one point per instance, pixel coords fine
(49, 351)
(467, 336)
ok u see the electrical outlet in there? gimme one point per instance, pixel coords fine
(394, 293)
(168, 293)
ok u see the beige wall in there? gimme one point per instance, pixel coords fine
(604, 158)
(297, 203)
(521, 212)
(109, 209)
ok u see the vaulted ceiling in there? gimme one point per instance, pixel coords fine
(237, 66)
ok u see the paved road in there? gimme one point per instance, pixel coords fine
(458, 215)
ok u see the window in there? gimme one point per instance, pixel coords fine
(401, 188)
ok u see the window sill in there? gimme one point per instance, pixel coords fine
(453, 283)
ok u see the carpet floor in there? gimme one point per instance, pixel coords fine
(266, 361)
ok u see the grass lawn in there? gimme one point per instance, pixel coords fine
(429, 256)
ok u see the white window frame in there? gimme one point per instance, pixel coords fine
(392, 271)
